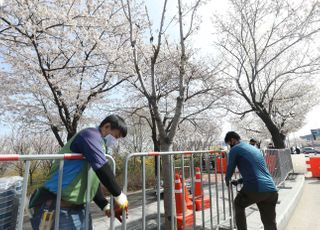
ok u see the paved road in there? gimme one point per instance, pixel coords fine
(306, 215)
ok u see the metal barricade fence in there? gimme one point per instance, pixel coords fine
(61, 158)
(279, 163)
(219, 214)
(212, 166)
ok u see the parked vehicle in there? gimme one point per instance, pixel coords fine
(308, 150)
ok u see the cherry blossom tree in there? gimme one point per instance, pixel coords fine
(290, 114)
(201, 134)
(137, 139)
(272, 53)
(24, 142)
(59, 58)
(174, 85)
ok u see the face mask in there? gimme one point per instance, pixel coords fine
(232, 144)
(110, 140)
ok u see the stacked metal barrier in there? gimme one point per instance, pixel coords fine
(10, 196)
(279, 164)
(61, 158)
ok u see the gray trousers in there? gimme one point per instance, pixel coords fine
(266, 202)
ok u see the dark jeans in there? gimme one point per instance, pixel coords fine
(266, 202)
(70, 219)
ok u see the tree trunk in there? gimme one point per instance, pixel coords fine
(71, 134)
(169, 198)
(156, 148)
(21, 168)
(278, 138)
(56, 134)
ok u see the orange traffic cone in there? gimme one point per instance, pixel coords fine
(179, 209)
(188, 202)
(198, 193)
(221, 164)
(198, 185)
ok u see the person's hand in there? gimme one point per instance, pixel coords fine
(107, 210)
(117, 212)
(234, 182)
(227, 182)
(121, 201)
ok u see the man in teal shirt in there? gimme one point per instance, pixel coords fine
(258, 186)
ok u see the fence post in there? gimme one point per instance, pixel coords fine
(88, 198)
(173, 207)
(222, 183)
(216, 185)
(158, 192)
(111, 197)
(231, 206)
(143, 168)
(210, 192)
(24, 195)
(193, 189)
(58, 201)
(183, 195)
(125, 188)
(202, 191)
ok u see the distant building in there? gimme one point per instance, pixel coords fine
(315, 135)
(307, 137)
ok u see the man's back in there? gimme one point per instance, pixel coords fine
(258, 186)
(252, 167)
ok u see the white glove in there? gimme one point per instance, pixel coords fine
(107, 208)
(121, 201)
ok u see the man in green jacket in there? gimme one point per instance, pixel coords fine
(93, 144)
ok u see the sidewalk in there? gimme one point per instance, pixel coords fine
(289, 196)
(306, 215)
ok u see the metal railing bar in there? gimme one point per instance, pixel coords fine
(158, 192)
(143, 165)
(193, 190)
(222, 185)
(173, 219)
(202, 190)
(58, 201)
(210, 192)
(216, 185)
(66, 156)
(183, 193)
(24, 195)
(170, 153)
(88, 199)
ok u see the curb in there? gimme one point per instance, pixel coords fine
(284, 217)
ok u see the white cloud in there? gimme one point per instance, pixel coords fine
(312, 122)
